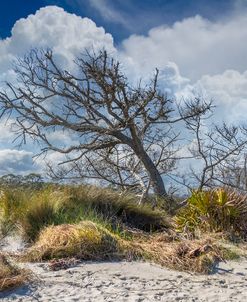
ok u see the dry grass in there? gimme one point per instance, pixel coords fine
(200, 256)
(90, 241)
(86, 241)
(10, 275)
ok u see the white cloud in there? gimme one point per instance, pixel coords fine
(170, 79)
(108, 12)
(196, 57)
(196, 45)
(16, 161)
(67, 34)
(229, 91)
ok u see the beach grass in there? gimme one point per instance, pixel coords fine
(31, 211)
(11, 276)
(91, 223)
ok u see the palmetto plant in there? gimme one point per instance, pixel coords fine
(216, 210)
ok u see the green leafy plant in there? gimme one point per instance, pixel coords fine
(217, 210)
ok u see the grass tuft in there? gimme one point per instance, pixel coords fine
(86, 241)
(11, 276)
(197, 256)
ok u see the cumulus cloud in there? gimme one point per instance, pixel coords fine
(170, 79)
(67, 34)
(196, 57)
(196, 45)
(229, 91)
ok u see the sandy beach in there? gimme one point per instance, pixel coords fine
(132, 281)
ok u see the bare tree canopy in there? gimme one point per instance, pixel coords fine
(218, 150)
(125, 134)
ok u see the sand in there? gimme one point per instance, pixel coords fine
(132, 281)
(128, 281)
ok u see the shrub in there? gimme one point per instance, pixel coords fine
(87, 241)
(218, 210)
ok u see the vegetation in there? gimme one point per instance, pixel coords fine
(86, 240)
(86, 222)
(32, 181)
(33, 210)
(10, 275)
(216, 210)
(91, 241)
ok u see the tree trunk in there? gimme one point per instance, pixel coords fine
(137, 146)
(155, 177)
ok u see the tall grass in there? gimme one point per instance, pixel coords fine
(116, 208)
(32, 210)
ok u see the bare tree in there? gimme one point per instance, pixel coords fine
(214, 147)
(233, 172)
(119, 128)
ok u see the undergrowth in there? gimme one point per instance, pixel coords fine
(32, 210)
(218, 210)
(92, 223)
(86, 241)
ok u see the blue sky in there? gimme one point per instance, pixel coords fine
(199, 47)
(122, 18)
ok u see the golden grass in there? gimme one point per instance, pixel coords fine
(198, 256)
(86, 241)
(90, 241)
(10, 275)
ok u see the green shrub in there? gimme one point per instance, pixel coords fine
(218, 210)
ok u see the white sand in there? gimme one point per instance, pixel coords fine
(132, 281)
(127, 282)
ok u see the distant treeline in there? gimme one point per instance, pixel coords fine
(33, 180)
